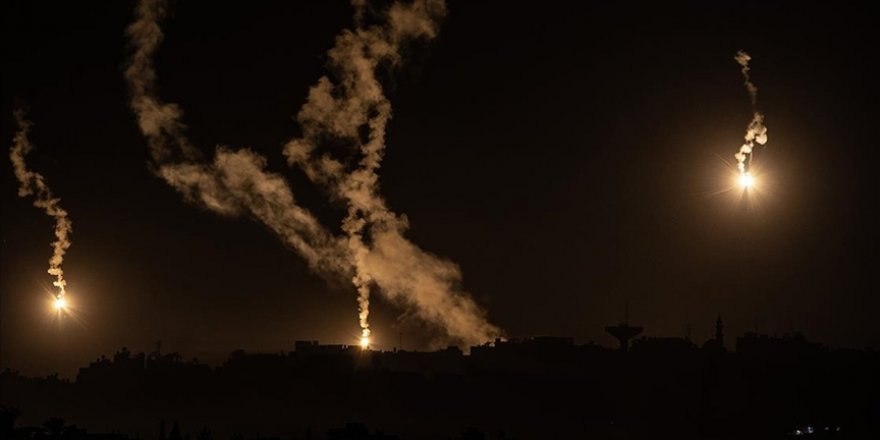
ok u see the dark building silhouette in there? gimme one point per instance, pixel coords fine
(663, 345)
(766, 349)
(357, 431)
(539, 387)
(623, 331)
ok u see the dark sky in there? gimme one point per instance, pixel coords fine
(564, 155)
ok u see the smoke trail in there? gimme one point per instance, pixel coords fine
(373, 250)
(743, 59)
(756, 131)
(33, 184)
(236, 182)
(355, 110)
(160, 122)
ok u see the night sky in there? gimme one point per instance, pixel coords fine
(567, 157)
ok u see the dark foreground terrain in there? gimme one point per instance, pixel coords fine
(539, 388)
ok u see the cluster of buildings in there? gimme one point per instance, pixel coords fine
(534, 354)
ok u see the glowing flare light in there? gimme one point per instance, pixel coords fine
(60, 304)
(746, 180)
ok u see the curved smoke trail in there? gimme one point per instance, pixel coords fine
(354, 109)
(33, 184)
(374, 251)
(756, 132)
(236, 182)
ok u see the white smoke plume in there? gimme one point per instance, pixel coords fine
(33, 184)
(374, 251)
(756, 131)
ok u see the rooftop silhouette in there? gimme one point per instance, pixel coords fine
(623, 331)
(536, 387)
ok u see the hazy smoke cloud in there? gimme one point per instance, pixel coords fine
(236, 182)
(756, 131)
(33, 184)
(160, 122)
(353, 108)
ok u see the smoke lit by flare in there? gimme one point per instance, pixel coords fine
(756, 131)
(354, 109)
(374, 251)
(33, 184)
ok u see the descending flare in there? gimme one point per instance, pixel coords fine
(34, 184)
(353, 108)
(373, 253)
(746, 180)
(756, 132)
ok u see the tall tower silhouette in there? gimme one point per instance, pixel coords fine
(719, 331)
(624, 332)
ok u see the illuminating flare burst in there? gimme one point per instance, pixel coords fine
(746, 180)
(365, 342)
(34, 184)
(60, 303)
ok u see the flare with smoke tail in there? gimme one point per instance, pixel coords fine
(374, 252)
(33, 184)
(756, 131)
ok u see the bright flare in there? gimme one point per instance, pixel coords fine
(746, 180)
(60, 303)
(365, 342)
